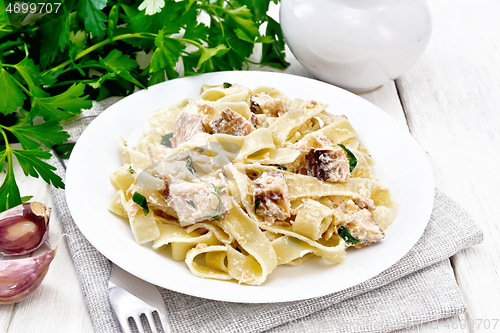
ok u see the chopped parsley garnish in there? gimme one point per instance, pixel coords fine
(189, 165)
(140, 200)
(257, 203)
(217, 194)
(132, 171)
(280, 167)
(191, 203)
(226, 85)
(346, 236)
(353, 161)
(165, 139)
(216, 189)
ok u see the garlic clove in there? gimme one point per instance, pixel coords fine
(19, 278)
(23, 228)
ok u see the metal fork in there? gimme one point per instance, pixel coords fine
(126, 305)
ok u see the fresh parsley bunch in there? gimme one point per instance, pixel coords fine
(53, 64)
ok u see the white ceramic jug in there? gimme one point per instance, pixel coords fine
(356, 44)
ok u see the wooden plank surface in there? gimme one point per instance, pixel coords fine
(452, 100)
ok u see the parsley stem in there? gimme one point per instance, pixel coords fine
(21, 85)
(95, 66)
(189, 41)
(209, 8)
(10, 44)
(252, 62)
(63, 83)
(8, 52)
(5, 138)
(144, 35)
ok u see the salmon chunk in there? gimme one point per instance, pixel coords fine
(330, 164)
(197, 202)
(255, 121)
(188, 124)
(229, 122)
(272, 200)
(358, 221)
(365, 203)
(363, 226)
(264, 104)
(321, 159)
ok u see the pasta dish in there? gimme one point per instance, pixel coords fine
(240, 180)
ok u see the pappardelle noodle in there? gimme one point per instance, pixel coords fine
(239, 181)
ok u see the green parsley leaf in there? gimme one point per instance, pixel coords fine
(353, 161)
(208, 53)
(346, 236)
(116, 60)
(166, 139)
(53, 43)
(48, 133)
(243, 18)
(273, 54)
(64, 150)
(265, 39)
(90, 11)
(63, 106)
(140, 200)
(243, 35)
(113, 20)
(257, 203)
(189, 165)
(191, 203)
(30, 73)
(120, 65)
(227, 85)
(259, 8)
(190, 61)
(9, 191)
(132, 171)
(141, 22)
(99, 82)
(196, 31)
(78, 39)
(26, 198)
(171, 73)
(240, 50)
(166, 55)
(8, 87)
(49, 77)
(158, 76)
(32, 164)
(280, 167)
(4, 21)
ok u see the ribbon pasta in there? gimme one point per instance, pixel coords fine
(239, 181)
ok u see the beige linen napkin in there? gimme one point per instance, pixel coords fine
(417, 289)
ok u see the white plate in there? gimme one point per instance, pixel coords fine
(401, 165)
